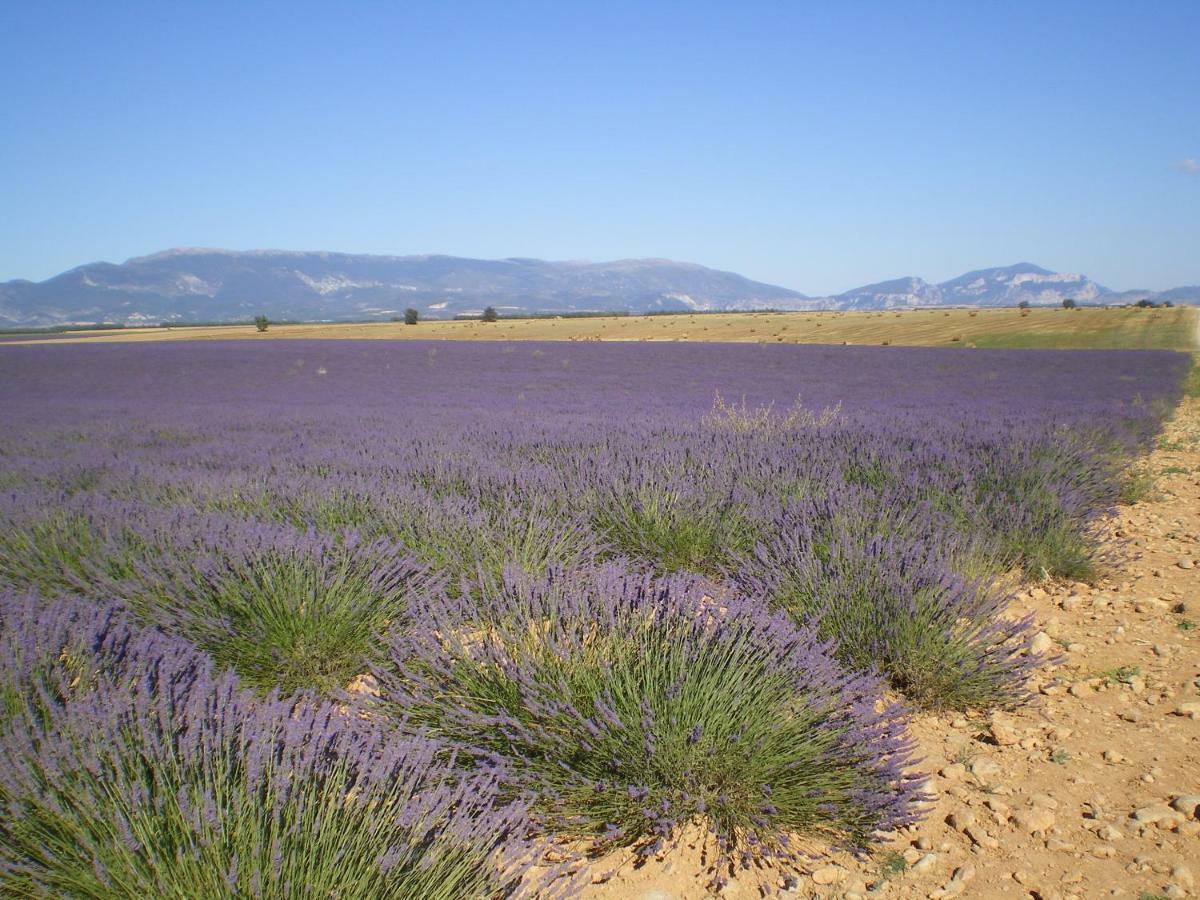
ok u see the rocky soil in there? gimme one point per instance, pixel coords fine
(1091, 790)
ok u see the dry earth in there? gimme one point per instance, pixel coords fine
(1092, 789)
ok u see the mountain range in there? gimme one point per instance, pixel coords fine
(201, 285)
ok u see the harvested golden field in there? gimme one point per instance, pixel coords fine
(1174, 329)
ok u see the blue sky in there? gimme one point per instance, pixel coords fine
(818, 146)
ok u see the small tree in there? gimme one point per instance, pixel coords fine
(1068, 303)
(411, 316)
(261, 322)
(1024, 304)
(490, 315)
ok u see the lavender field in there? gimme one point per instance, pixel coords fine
(315, 619)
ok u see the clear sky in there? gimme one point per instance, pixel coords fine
(815, 145)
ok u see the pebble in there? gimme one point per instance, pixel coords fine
(961, 821)
(1190, 709)
(981, 837)
(365, 684)
(1003, 733)
(986, 770)
(1186, 564)
(950, 889)
(954, 772)
(1041, 643)
(1188, 804)
(925, 863)
(1034, 820)
(827, 875)
(1182, 875)
(1080, 689)
(1108, 833)
(1148, 815)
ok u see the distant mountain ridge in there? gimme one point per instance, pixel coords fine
(191, 285)
(1003, 286)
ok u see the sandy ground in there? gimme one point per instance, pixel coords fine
(1043, 327)
(1092, 789)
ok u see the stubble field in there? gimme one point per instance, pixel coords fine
(1147, 329)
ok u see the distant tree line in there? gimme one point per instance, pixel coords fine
(59, 329)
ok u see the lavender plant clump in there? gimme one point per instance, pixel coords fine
(601, 592)
(130, 767)
(635, 705)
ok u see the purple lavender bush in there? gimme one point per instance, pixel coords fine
(457, 528)
(128, 768)
(672, 529)
(1038, 500)
(285, 609)
(872, 583)
(628, 706)
(468, 459)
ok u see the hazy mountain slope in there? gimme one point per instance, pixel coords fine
(899, 292)
(216, 285)
(194, 285)
(1001, 286)
(1024, 282)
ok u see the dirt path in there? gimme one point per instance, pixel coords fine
(1090, 791)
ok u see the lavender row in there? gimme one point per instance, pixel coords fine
(464, 460)
(632, 586)
(130, 767)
